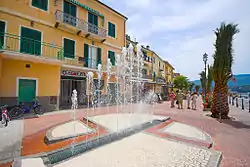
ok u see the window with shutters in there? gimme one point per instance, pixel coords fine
(30, 41)
(111, 30)
(93, 20)
(70, 11)
(111, 56)
(41, 4)
(2, 32)
(69, 48)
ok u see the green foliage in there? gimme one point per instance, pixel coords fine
(223, 56)
(209, 78)
(203, 79)
(181, 82)
(190, 86)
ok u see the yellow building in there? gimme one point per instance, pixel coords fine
(169, 73)
(159, 73)
(147, 70)
(47, 48)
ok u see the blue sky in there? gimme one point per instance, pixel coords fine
(181, 31)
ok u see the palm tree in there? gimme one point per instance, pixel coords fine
(197, 88)
(203, 79)
(222, 68)
(209, 78)
(190, 86)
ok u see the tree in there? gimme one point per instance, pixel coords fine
(190, 86)
(203, 79)
(181, 82)
(209, 78)
(197, 88)
(222, 68)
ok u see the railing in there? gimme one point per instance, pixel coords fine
(80, 24)
(145, 76)
(14, 43)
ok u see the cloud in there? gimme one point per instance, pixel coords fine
(181, 31)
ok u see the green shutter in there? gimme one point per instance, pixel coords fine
(113, 30)
(111, 56)
(41, 4)
(69, 48)
(30, 41)
(99, 56)
(2, 32)
(86, 55)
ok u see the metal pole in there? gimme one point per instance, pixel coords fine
(242, 102)
(205, 89)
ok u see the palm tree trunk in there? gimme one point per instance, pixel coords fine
(220, 102)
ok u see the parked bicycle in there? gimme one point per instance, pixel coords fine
(21, 109)
(4, 118)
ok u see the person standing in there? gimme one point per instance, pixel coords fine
(188, 100)
(172, 98)
(194, 98)
(181, 96)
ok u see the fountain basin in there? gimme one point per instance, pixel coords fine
(67, 130)
(122, 121)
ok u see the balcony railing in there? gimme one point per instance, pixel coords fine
(145, 76)
(14, 43)
(80, 24)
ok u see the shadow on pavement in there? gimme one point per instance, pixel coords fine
(236, 124)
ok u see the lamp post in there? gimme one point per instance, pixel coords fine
(205, 56)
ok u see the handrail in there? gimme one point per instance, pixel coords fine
(79, 23)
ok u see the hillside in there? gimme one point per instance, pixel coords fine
(241, 80)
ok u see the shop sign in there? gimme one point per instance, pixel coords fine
(73, 73)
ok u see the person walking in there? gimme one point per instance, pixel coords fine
(188, 100)
(172, 98)
(194, 98)
(180, 97)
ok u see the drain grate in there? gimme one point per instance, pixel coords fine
(56, 157)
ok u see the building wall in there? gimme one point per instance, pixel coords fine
(48, 78)
(18, 13)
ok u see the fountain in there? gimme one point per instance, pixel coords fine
(131, 116)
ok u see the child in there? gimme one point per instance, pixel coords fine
(172, 98)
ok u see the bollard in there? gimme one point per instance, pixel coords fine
(237, 102)
(232, 101)
(242, 100)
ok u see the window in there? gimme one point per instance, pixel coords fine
(30, 41)
(2, 32)
(111, 56)
(111, 29)
(93, 19)
(69, 48)
(41, 4)
(92, 56)
(70, 13)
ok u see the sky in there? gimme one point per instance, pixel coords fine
(181, 31)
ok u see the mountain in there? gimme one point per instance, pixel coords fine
(242, 82)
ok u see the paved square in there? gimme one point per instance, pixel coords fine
(144, 150)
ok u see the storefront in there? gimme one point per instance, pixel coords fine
(71, 80)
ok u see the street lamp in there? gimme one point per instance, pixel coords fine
(205, 56)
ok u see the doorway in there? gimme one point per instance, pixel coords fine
(26, 90)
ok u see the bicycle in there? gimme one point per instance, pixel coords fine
(21, 109)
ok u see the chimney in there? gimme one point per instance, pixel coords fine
(147, 47)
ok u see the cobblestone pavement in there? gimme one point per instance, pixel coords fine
(230, 137)
(135, 153)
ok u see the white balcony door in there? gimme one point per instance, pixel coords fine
(92, 57)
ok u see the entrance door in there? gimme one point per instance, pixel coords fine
(92, 57)
(27, 90)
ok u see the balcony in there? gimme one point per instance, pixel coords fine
(20, 48)
(145, 76)
(80, 27)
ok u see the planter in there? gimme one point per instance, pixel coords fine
(205, 106)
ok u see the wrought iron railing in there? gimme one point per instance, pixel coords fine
(80, 24)
(14, 43)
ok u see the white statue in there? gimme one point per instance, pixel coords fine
(74, 100)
